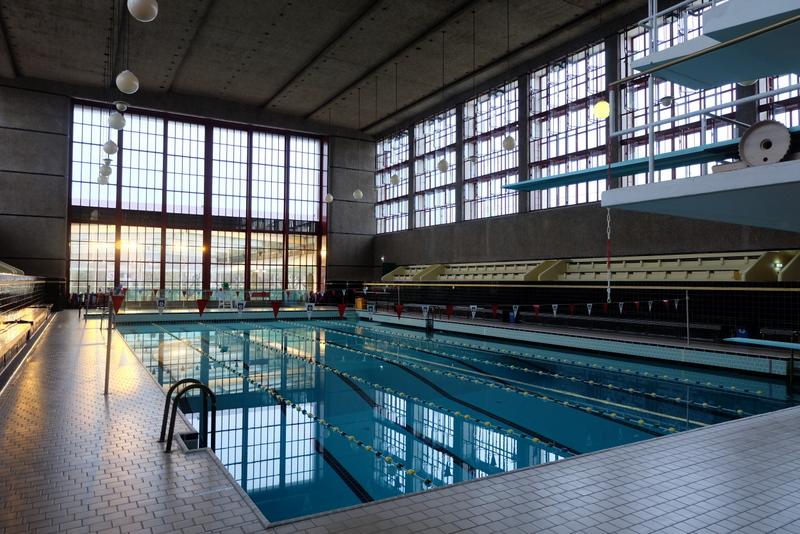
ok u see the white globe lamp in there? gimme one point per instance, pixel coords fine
(443, 165)
(509, 142)
(116, 120)
(358, 194)
(110, 147)
(127, 82)
(328, 198)
(394, 179)
(143, 10)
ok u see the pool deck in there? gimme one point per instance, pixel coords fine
(74, 461)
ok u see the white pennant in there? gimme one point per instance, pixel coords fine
(515, 309)
(589, 308)
(555, 309)
(676, 303)
(309, 309)
(473, 309)
(650, 305)
(425, 309)
(620, 306)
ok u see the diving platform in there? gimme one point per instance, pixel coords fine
(749, 56)
(764, 196)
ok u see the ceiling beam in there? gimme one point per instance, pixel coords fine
(338, 36)
(519, 62)
(201, 22)
(8, 65)
(441, 23)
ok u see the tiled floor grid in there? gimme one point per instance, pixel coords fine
(73, 461)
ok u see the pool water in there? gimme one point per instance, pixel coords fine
(318, 415)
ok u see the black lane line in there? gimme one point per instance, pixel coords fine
(501, 381)
(357, 489)
(423, 438)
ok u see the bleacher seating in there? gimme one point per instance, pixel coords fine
(714, 267)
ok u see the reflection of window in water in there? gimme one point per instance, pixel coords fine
(300, 455)
(264, 448)
(435, 464)
(436, 425)
(392, 443)
(391, 407)
(491, 450)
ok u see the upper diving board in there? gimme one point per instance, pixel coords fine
(771, 53)
(708, 153)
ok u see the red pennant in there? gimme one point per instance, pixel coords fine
(398, 308)
(201, 305)
(117, 300)
(605, 307)
(572, 309)
(536, 310)
(342, 307)
(636, 304)
(154, 292)
(494, 311)
(276, 305)
(449, 310)
(124, 290)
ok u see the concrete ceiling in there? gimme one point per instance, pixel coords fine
(303, 58)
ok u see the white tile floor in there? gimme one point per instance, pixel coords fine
(72, 461)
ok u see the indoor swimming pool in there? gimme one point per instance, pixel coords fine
(319, 415)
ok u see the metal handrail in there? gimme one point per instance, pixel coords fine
(166, 404)
(207, 393)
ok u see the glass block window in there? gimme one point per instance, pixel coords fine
(183, 274)
(672, 99)
(91, 253)
(391, 207)
(89, 131)
(565, 136)
(185, 167)
(488, 165)
(229, 171)
(304, 183)
(227, 260)
(142, 162)
(140, 262)
(269, 157)
(434, 141)
(266, 261)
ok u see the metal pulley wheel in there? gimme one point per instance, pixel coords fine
(764, 142)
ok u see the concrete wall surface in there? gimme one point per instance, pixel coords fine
(571, 232)
(34, 149)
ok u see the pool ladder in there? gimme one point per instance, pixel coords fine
(191, 384)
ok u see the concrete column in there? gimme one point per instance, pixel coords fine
(412, 153)
(523, 141)
(612, 74)
(747, 113)
(459, 163)
(351, 223)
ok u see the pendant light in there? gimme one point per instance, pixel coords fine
(443, 165)
(110, 147)
(116, 120)
(394, 179)
(508, 142)
(143, 10)
(126, 81)
(358, 194)
(473, 158)
(328, 198)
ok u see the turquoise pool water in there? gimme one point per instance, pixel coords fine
(319, 415)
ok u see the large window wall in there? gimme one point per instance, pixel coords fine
(435, 170)
(565, 136)
(548, 122)
(391, 159)
(490, 120)
(191, 206)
